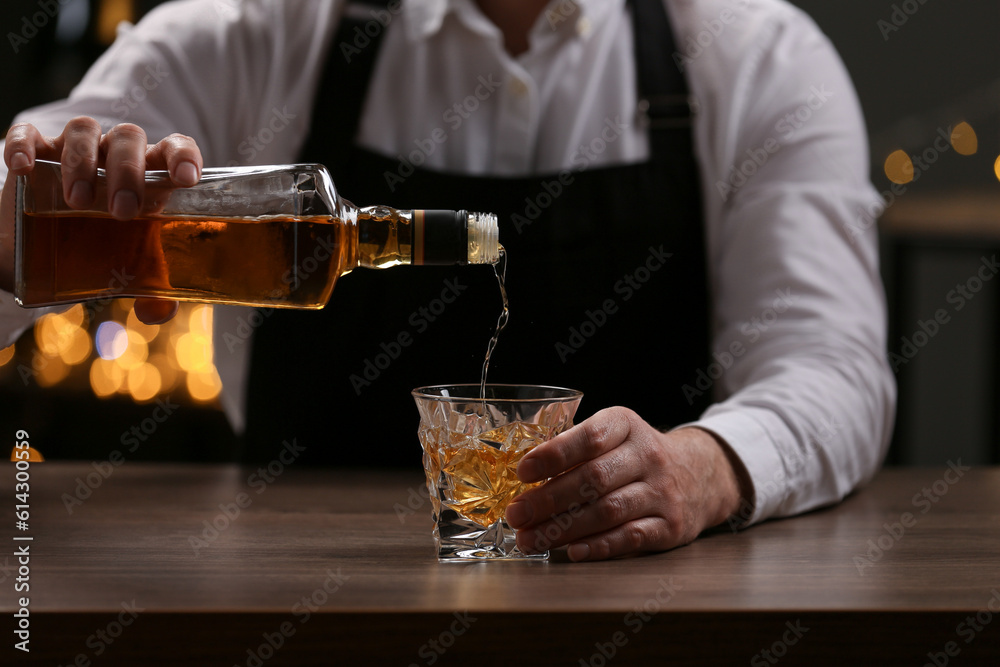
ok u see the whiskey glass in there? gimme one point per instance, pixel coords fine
(472, 444)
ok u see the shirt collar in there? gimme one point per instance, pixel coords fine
(425, 17)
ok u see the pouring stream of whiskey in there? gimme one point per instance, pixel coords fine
(500, 270)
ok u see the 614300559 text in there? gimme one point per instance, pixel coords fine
(22, 551)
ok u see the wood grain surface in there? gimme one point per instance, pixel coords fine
(336, 567)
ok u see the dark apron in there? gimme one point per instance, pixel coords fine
(595, 302)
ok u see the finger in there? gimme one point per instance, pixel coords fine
(23, 145)
(645, 534)
(81, 141)
(582, 485)
(180, 155)
(587, 440)
(155, 311)
(619, 507)
(124, 149)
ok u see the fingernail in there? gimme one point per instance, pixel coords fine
(19, 161)
(187, 174)
(125, 205)
(578, 552)
(528, 470)
(519, 514)
(81, 194)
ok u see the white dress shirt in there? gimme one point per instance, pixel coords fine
(803, 393)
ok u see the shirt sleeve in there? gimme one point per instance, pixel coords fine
(804, 394)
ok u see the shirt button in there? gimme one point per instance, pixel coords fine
(518, 87)
(584, 26)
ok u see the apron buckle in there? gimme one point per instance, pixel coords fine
(665, 111)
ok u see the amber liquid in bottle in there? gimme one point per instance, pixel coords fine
(276, 261)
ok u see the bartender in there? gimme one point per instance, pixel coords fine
(682, 176)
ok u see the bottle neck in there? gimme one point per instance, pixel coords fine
(388, 237)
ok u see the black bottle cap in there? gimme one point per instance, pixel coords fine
(440, 237)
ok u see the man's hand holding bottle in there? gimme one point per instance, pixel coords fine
(82, 148)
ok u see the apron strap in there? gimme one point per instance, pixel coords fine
(343, 86)
(665, 106)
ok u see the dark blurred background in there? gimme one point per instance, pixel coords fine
(921, 70)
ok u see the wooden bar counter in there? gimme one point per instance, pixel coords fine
(163, 564)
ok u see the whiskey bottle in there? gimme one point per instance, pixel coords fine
(275, 236)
